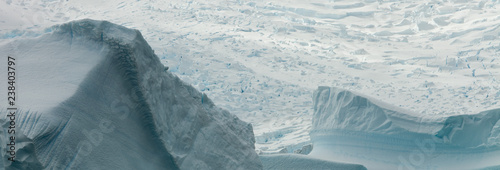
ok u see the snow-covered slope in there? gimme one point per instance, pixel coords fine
(354, 128)
(93, 95)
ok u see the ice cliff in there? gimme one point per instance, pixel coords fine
(93, 95)
(302, 162)
(351, 127)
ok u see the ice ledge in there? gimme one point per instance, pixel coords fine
(350, 127)
(297, 161)
(341, 110)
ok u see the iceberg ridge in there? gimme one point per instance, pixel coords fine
(116, 107)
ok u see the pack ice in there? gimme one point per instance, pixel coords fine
(351, 127)
(93, 95)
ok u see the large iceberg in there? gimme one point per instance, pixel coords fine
(93, 95)
(351, 127)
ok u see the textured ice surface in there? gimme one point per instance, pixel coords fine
(301, 162)
(93, 95)
(263, 59)
(350, 127)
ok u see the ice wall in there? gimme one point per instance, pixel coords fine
(296, 161)
(350, 127)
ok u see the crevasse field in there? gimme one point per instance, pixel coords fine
(381, 84)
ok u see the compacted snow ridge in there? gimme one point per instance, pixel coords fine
(97, 97)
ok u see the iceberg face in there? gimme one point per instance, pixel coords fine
(93, 95)
(350, 127)
(296, 161)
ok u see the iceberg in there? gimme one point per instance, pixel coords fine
(300, 162)
(353, 128)
(93, 95)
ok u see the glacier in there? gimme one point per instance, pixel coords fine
(355, 128)
(262, 60)
(93, 95)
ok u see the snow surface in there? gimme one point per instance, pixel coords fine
(350, 127)
(263, 59)
(93, 95)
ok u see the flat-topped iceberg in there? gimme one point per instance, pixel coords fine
(350, 127)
